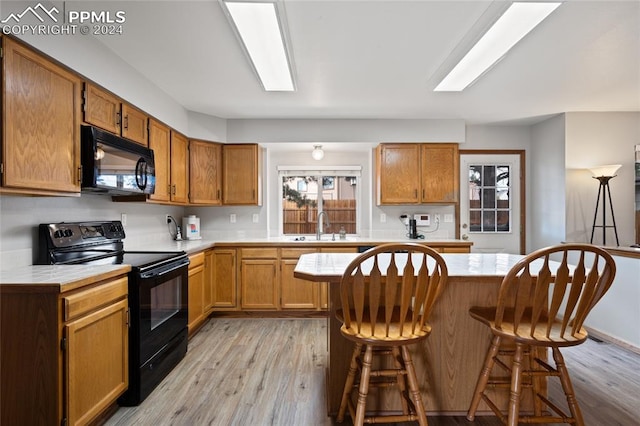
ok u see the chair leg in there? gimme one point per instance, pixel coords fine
(484, 377)
(516, 386)
(364, 386)
(572, 402)
(413, 386)
(401, 378)
(536, 387)
(348, 385)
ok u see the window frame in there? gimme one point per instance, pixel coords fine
(320, 172)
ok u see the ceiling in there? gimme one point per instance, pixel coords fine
(381, 59)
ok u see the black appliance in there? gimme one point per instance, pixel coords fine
(114, 165)
(413, 229)
(158, 295)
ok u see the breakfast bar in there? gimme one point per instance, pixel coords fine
(449, 360)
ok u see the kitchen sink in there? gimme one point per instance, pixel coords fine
(312, 239)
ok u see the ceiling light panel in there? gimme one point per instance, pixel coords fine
(260, 31)
(516, 22)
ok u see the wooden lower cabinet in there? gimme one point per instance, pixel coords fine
(64, 356)
(196, 292)
(222, 280)
(294, 292)
(259, 278)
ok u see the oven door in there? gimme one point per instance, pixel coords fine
(162, 306)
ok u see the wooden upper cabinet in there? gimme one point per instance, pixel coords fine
(411, 173)
(40, 124)
(105, 110)
(160, 143)
(179, 168)
(101, 108)
(205, 173)
(440, 173)
(241, 174)
(398, 173)
(134, 124)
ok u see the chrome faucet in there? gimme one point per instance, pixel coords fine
(319, 227)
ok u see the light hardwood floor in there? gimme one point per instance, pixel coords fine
(271, 372)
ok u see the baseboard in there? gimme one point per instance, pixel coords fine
(606, 338)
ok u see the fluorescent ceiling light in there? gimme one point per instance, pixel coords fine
(516, 22)
(258, 26)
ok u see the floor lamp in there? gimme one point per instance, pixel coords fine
(604, 174)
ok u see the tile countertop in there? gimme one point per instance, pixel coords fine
(330, 266)
(194, 246)
(60, 278)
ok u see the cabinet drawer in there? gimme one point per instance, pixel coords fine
(259, 253)
(294, 253)
(196, 260)
(338, 250)
(85, 301)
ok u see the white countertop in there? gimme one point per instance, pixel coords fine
(193, 246)
(59, 275)
(330, 266)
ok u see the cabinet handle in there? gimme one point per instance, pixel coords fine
(169, 189)
(118, 119)
(423, 194)
(126, 121)
(80, 174)
(415, 193)
(218, 194)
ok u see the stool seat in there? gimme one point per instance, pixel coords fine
(387, 295)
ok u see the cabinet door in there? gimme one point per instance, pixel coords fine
(295, 292)
(179, 168)
(134, 124)
(96, 362)
(205, 173)
(196, 292)
(159, 142)
(440, 173)
(40, 123)
(398, 173)
(259, 283)
(101, 109)
(224, 285)
(240, 175)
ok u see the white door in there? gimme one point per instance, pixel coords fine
(490, 202)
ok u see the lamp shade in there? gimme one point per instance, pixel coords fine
(606, 171)
(317, 153)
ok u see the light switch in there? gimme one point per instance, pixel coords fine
(232, 218)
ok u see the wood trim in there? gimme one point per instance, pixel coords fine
(606, 338)
(523, 186)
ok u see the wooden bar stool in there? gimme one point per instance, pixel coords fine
(546, 310)
(387, 294)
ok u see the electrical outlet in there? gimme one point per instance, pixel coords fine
(383, 218)
(232, 218)
(448, 218)
(256, 218)
(166, 218)
(437, 217)
(123, 218)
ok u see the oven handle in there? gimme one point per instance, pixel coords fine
(153, 274)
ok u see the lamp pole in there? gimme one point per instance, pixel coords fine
(605, 190)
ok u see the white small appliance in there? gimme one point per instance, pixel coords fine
(191, 227)
(422, 219)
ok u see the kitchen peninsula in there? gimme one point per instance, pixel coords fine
(448, 361)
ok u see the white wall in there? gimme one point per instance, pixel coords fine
(345, 131)
(547, 184)
(592, 139)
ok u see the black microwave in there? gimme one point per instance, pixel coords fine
(114, 165)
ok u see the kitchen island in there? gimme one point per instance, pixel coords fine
(449, 360)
